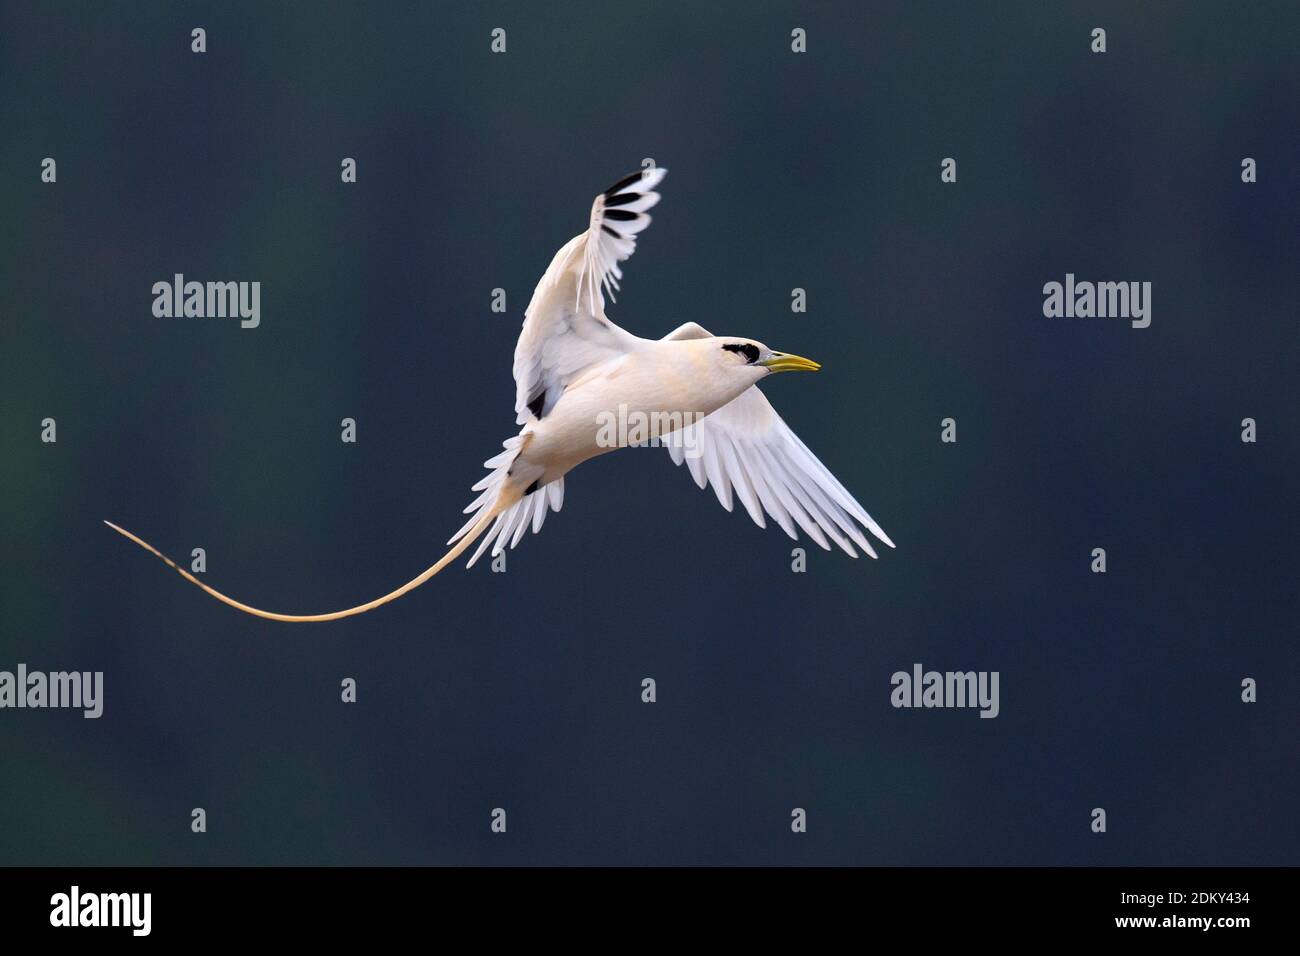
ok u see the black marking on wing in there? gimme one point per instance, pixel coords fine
(531, 488)
(535, 406)
(623, 184)
(620, 215)
(622, 199)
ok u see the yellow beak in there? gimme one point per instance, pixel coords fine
(784, 362)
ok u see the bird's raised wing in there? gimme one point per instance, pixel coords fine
(565, 328)
(747, 447)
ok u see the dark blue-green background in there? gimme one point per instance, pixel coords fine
(521, 690)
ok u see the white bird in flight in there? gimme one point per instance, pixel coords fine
(575, 369)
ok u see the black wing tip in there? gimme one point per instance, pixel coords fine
(624, 183)
(638, 177)
(622, 199)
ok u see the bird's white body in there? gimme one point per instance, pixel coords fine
(672, 381)
(576, 370)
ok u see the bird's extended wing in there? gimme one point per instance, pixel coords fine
(747, 447)
(565, 328)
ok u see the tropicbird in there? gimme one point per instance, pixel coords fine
(574, 369)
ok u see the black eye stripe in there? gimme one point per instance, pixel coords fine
(749, 351)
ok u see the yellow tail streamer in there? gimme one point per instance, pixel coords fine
(411, 585)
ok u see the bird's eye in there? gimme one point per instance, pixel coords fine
(749, 351)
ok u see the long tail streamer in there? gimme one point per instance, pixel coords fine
(470, 537)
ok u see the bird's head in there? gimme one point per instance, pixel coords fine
(748, 354)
